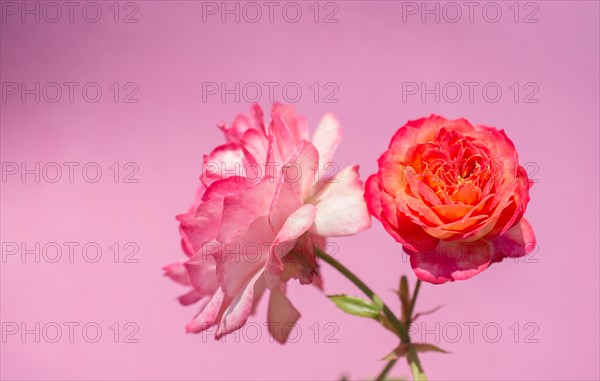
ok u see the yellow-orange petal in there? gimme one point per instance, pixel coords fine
(467, 194)
(451, 212)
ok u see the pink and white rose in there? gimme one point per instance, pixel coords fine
(264, 203)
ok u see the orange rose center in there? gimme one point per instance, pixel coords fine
(451, 173)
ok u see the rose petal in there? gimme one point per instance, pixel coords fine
(259, 290)
(258, 115)
(284, 142)
(451, 261)
(295, 183)
(282, 316)
(203, 226)
(417, 210)
(326, 138)
(409, 234)
(393, 173)
(241, 209)
(201, 269)
(467, 194)
(240, 125)
(243, 257)
(237, 312)
(296, 225)
(341, 207)
(208, 315)
(190, 297)
(373, 194)
(501, 144)
(229, 186)
(224, 161)
(296, 125)
(255, 146)
(176, 271)
(451, 212)
(516, 242)
(423, 191)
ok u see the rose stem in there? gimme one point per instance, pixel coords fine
(418, 373)
(413, 359)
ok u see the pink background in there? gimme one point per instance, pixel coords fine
(169, 53)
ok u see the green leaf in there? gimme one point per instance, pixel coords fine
(402, 350)
(424, 347)
(356, 306)
(428, 312)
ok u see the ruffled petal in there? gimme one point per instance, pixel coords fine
(451, 261)
(373, 195)
(201, 269)
(237, 312)
(298, 176)
(326, 138)
(229, 186)
(208, 315)
(516, 242)
(341, 207)
(177, 272)
(296, 125)
(296, 225)
(224, 161)
(282, 316)
(239, 260)
(203, 226)
(241, 209)
(190, 297)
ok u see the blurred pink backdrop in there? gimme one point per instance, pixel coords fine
(534, 319)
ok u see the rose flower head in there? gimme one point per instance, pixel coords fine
(454, 195)
(263, 204)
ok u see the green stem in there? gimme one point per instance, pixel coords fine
(386, 370)
(413, 359)
(414, 300)
(364, 288)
